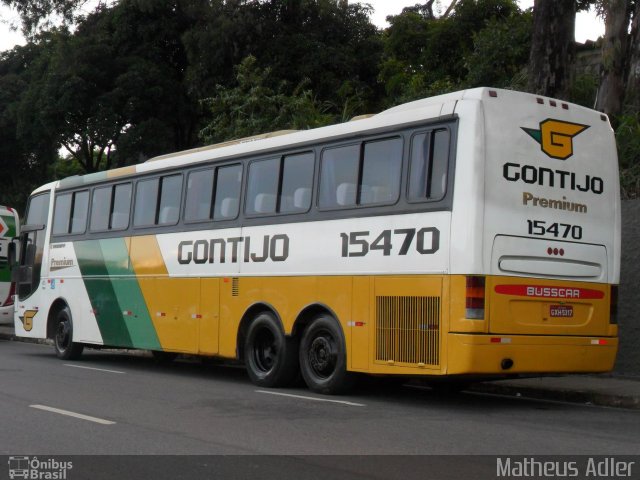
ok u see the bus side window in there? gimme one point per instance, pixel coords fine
(297, 181)
(199, 195)
(381, 171)
(170, 196)
(429, 162)
(227, 201)
(339, 176)
(121, 207)
(158, 201)
(61, 214)
(361, 174)
(262, 186)
(110, 208)
(70, 213)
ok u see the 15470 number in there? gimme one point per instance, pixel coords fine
(558, 230)
(358, 244)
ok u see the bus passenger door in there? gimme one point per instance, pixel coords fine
(210, 315)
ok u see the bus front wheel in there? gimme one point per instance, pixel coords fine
(65, 347)
(271, 357)
(323, 359)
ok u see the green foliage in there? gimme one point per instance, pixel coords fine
(500, 51)
(628, 141)
(425, 55)
(255, 106)
(584, 89)
(35, 14)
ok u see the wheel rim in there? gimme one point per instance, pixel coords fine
(63, 335)
(265, 350)
(322, 355)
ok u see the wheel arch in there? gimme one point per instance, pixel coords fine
(245, 321)
(308, 313)
(57, 305)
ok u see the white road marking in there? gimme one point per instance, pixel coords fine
(93, 368)
(73, 414)
(316, 399)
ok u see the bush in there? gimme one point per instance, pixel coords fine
(628, 141)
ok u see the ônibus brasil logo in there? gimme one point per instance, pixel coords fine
(556, 137)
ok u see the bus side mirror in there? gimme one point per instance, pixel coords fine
(11, 253)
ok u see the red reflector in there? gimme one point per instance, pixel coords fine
(495, 340)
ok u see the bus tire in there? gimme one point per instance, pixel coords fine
(65, 347)
(271, 358)
(323, 359)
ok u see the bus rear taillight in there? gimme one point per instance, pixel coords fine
(475, 298)
(613, 305)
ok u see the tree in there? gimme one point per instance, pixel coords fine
(34, 14)
(615, 49)
(426, 55)
(500, 52)
(256, 106)
(552, 47)
(24, 155)
(632, 93)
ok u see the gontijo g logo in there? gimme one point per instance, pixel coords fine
(556, 137)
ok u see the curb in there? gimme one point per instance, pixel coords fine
(570, 396)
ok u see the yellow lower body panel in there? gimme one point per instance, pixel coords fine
(490, 354)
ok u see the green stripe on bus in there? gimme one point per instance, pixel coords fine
(102, 294)
(129, 296)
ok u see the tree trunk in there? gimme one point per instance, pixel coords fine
(552, 47)
(614, 57)
(632, 97)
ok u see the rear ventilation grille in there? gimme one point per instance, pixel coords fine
(408, 330)
(235, 286)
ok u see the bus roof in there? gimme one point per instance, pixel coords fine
(419, 110)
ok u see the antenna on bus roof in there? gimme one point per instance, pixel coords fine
(228, 143)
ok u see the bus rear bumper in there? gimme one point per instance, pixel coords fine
(522, 354)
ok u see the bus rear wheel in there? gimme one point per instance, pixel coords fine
(271, 357)
(64, 345)
(323, 359)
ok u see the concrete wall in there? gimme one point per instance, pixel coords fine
(628, 362)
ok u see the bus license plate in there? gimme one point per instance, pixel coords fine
(561, 311)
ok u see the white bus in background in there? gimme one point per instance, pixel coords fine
(473, 234)
(9, 228)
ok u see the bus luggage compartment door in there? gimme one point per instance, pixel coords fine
(547, 287)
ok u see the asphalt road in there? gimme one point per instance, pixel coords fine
(126, 404)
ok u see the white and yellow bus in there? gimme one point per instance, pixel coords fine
(471, 234)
